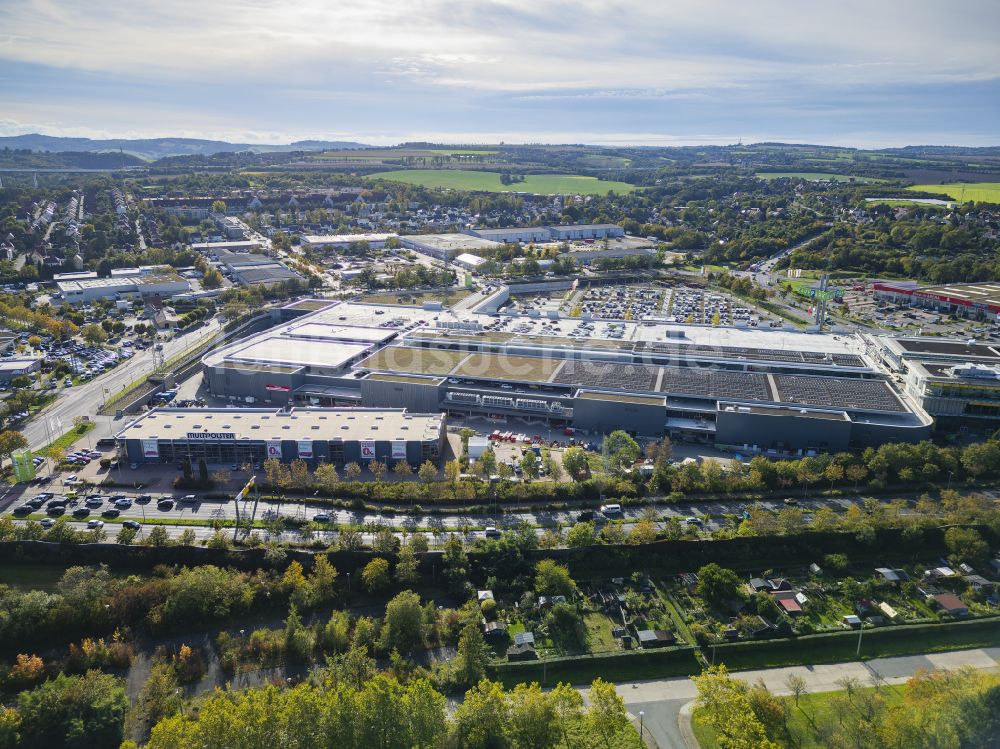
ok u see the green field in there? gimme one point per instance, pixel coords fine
(546, 184)
(813, 175)
(980, 192)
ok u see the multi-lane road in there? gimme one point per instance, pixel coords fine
(86, 399)
(200, 515)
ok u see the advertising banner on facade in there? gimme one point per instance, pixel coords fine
(274, 449)
(150, 448)
(24, 468)
(368, 449)
(399, 449)
(306, 449)
(278, 388)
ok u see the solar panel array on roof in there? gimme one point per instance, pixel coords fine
(873, 395)
(606, 374)
(738, 352)
(715, 383)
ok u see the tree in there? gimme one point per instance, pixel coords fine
(553, 579)
(377, 468)
(582, 534)
(10, 442)
(534, 719)
(352, 471)
(375, 575)
(277, 473)
(574, 460)
(427, 473)
(157, 699)
(833, 473)
(481, 720)
(856, 473)
(326, 476)
(473, 656)
(299, 476)
(20, 382)
(966, 545)
(74, 711)
(452, 472)
(323, 579)
(621, 450)
(643, 532)
(94, 335)
(403, 624)
(407, 566)
(717, 584)
(529, 465)
(212, 279)
(727, 709)
(402, 469)
(607, 716)
(126, 536)
(336, 636)
(158, 536)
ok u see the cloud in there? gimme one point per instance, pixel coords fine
(518, 66)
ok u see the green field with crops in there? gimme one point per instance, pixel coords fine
(980, 192)
(546, 184)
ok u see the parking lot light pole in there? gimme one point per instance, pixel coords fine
(642, 736)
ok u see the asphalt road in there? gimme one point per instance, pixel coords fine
(201, 513)
(663, 701)
(86, 399)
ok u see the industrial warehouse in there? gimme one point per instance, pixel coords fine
(253, 435)
(755, 391)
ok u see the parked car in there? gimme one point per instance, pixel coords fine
(165, 504)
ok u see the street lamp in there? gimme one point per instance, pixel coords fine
(641, 716)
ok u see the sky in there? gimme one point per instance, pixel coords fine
(656, 72)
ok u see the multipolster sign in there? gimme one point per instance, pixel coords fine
(211, 436)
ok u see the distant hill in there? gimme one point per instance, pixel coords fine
(25, 159)
(156, 148)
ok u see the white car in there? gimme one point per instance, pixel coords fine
(47, 522)
(71, 479)
(95, 523)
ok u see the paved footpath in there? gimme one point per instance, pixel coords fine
(666, 704)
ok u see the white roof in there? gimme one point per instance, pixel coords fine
(467, 258)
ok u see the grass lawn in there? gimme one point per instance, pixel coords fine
(506, 367)
(819, 706)
(67, 440)
(599, 639)
(985, 192)
(545, 184)
(416, 360)
(813, 175)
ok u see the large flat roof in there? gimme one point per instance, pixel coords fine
(450, 242)
(299, 424)
(345, 238)
(936, 346)
(303, 351)
(337, 332)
